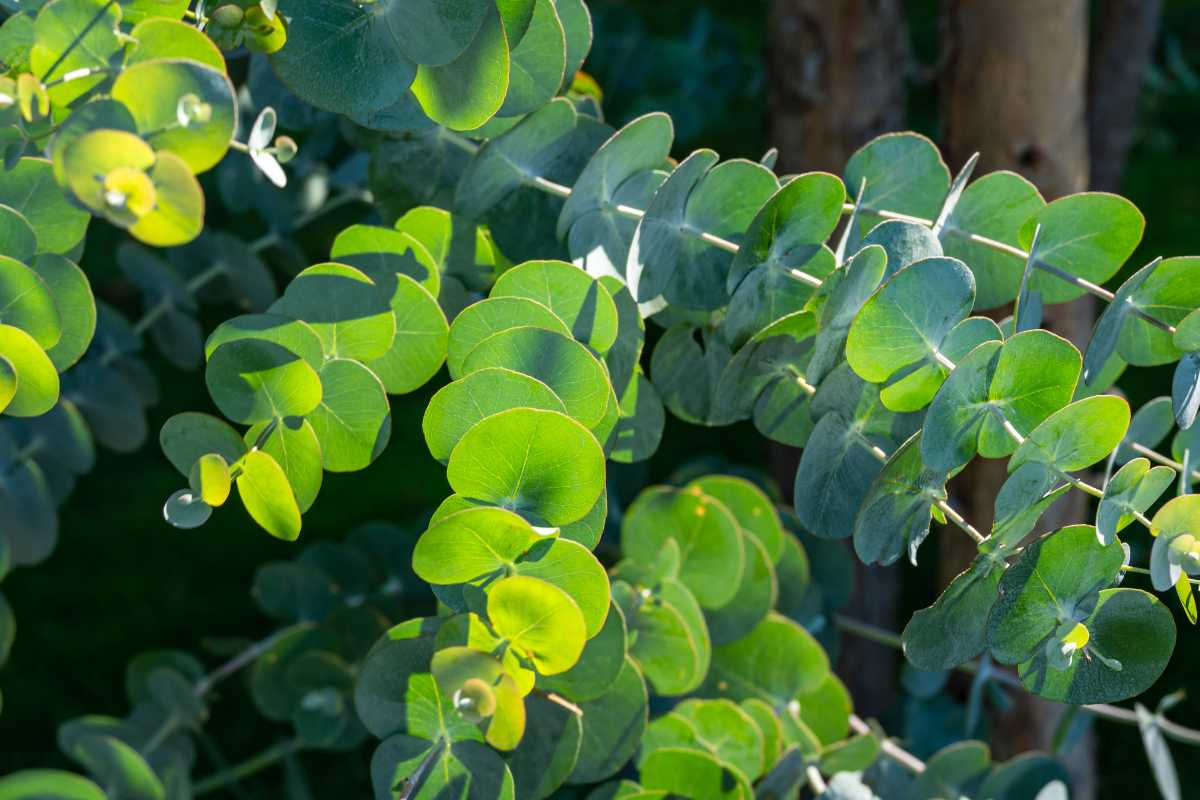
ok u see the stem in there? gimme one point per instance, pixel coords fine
(165, 304)
(960, 521)
(1081, 485)
(31, 449)
(100, 14)
(1159, 458)
(78, 74)
(560, 700)
(559, 190)
(1144, 571)
(413, 782)
(250, 766)
(1103, 710)
(167, 727)
(815, 781)
(209, 746)
(892, 750)
(242, 659)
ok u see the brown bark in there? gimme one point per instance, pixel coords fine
(1014, 88)
(836, 78)
(1125, 36)
(837, 81)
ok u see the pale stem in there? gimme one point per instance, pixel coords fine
(1144, 571)
(815, 780)
(890, 748)
(1113, 713)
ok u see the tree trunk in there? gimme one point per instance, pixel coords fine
(836, 78)
(1014, 88)
(1125, 39)
(837, 81)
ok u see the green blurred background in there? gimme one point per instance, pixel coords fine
(122, 581)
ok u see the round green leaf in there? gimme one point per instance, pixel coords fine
(731, 734)
(599, 665)
(27, 303)
(347, 58)
(686, 772)
(178, 214)
(1076, 436)
(539, 59)
(376, 250)
(353, 420)
(254, 380)
(564, 365)
(994, 206)
(294, 444)
(776, 661)
(706, 532)
(34, 783)
(76, 307)
(571, 567)
(539, 463)
(903, 172)
(754, 599)
(612, 727)
(291, 334)
(70, 35)
(19, 240)
(267, 495)
(1026, 379)
(1133, 632)
(1055, 581)
(152, 91)
(1131, 491)
(750, 506)
(540, 620)
(349, 312)
(953, 630)
(30, 189)
(186, 437)
(37, 380)
(460, 404)
(419, 347)
(571, 294)
(1187, 332)
(548, 751)
(122, 770)
(210, 479)
(472, 544)
(662, 641)
(481, 320)
(1089, 235)
(468, 91)
(825, 710)
(158, 37)
(643, 144)
(908, 318)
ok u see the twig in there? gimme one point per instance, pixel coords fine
(272, 755)
(1107, 711)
